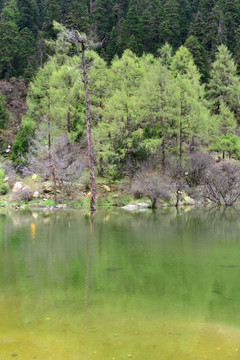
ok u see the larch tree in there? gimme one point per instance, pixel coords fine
(224, 84)
(194, 117)
(224, 137)
(159, 96)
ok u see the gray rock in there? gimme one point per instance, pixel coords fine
(130, 207)
(143, 205)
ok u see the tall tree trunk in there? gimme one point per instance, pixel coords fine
(180, 151)
(52, 162)
(68, 121)
(90, 7)
(49, 143)
(192, 145)
(129, 164)
(163, 148)
(89, 133)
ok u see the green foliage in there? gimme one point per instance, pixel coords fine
(3, 186)
(142, 108)
(132, 31)
(4, 114)
(22, 141)
(224, 138)
(9, 48)
(141, 26)
(224, 84)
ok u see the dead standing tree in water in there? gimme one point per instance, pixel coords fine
(81, 43)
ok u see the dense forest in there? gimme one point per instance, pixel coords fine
(163, 78)
(117, 25)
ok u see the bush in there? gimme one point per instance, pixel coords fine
(10, 173)
(3, 186)
(25, 194)
(222, 183)
(196, 168)
(151, 184)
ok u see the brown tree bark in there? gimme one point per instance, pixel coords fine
(180, 150)
(68, 121)
(163, 160)
(89, 133)
(52, 164)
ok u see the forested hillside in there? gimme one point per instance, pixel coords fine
(142, 26)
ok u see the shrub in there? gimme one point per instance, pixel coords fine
(151, 184)
(222, 183)
(3, 186)
(25, 194)
(196, 168)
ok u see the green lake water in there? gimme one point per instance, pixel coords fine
(161, 285)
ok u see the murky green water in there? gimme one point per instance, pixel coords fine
(120, 285)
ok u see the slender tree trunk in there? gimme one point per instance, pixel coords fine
(89, 133)
(163, 148)
(49, 143)
(90, 7)
(192, 145)
(68, 121)
(52, 163)
(179, 189)
(129, 159)
(180, 150)
(101, 171)
(129, 164)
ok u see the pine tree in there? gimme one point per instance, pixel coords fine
(215, 30)
(170, 30)
(52, 10)
(185, 18)
(9, 48)
(112, 47)
(103, 18)
(29, 15)
(231, 11)
(132, 27)
(77, 14)
(10, 12)
(28, 53)
(198, 53)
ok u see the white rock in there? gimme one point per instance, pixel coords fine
(130, 207)
(143, 205)
(17, 186)
(36, 194)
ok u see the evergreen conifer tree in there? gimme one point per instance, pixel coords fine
(132, 29)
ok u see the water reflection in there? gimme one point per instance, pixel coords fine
(116, 283)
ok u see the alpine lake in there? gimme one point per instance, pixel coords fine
(145, 285)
